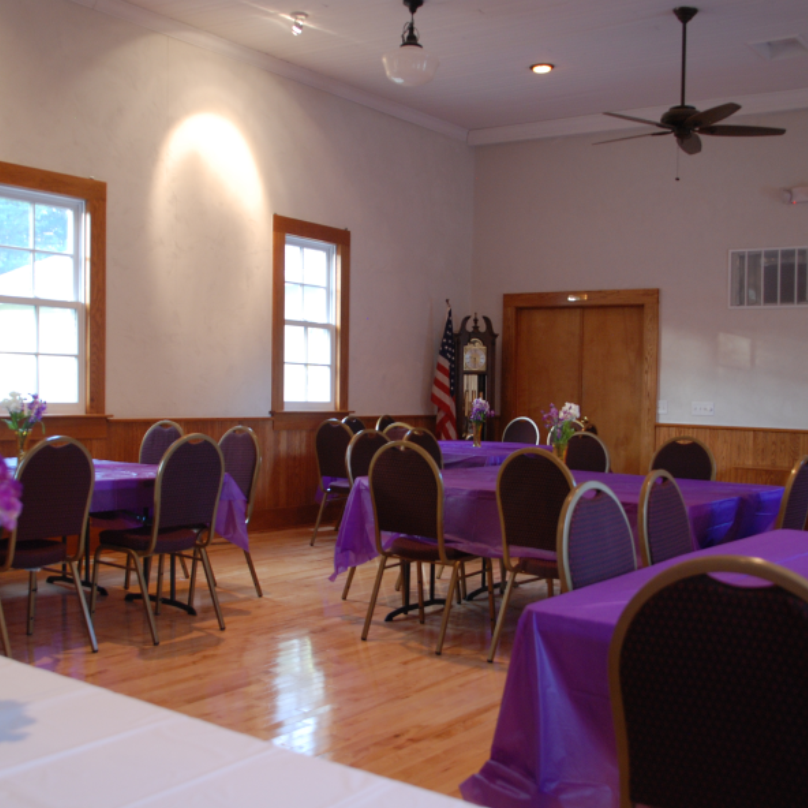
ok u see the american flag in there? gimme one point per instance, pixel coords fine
(443, 387)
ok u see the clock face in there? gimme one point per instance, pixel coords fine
(474, 357)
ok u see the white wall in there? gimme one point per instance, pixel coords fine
(560, 215)
(198, 151)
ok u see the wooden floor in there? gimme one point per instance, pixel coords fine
(291, 667)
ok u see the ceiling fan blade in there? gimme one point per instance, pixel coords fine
(631, 137)
(638, 120)
(711, 116)
(740, 131)
(689, 144)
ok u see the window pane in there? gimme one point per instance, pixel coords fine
(319, 346)
(770, 272)
(294, 302)
(738, 279)
(59, 379)
(788, 260)
(17, 372)
(293, 264)
(315, 267)
(15, 223)
(53, 277)
(319, 383)
(16, 274)
(753, 273)
(315, 304)
(294, 343)
(294, 382)
(54, 229)
(17, 328)
(58, 331)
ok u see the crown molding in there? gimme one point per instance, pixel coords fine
(193, 36)
(760, 104)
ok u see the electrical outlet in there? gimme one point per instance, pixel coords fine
(702, 408)
(662, 407)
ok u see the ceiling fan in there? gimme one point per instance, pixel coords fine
(686, 123)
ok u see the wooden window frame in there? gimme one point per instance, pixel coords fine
(94, 194)
(283, 226)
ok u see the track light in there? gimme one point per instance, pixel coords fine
(410, 65)
(298, 18)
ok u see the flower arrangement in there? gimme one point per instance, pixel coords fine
(560, 424)
(23, 416)
(480, 411)
(10, 491)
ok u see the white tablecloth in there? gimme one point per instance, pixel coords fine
(64, 743)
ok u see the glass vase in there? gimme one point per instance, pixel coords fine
(560, 450)
(22, 440)
(478, 433)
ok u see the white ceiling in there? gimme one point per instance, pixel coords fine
(616, 55)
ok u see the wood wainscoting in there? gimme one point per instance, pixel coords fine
(288, 480)
(746, 454)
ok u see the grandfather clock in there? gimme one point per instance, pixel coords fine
(475, 364)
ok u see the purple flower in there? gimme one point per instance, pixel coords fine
(10, 493)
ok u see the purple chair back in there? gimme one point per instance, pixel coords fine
(407, 491)
(662, 520)
(156, 441)
(697, 668)
(242, 461)
(686, 458)
(361, 450)
(57, 478)
(189, 482)
(428, 442)
(331, 443)
(396, 431)
(587, 452)
(595, 537)
(353, 423)
(532, 487)
(794, 507)
(384, 421)
(521, 430)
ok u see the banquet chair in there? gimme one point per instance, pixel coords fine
(384, 421)
(532, 486)
(794, 505)
(353, 423)
(406, 489)
(396, 431)
(428, 442)
(662, 523)
(686, 458)
(57, 479)
(594, 537)
(361, 449)
(331, 444)
(156, 441)
(186, 498)
(242, 461)
(707, 682)
(587, 452)
(522, 430)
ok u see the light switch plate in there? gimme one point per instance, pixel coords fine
(702, 408)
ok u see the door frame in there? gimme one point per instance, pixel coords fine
(647, 298)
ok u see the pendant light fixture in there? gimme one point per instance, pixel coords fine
(410, 64)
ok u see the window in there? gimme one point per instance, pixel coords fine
(768, 277)
(52, 288)
(310, 316)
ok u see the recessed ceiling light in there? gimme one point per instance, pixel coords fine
(542, 68)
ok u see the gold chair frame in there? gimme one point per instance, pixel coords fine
(792, 479)
(755, 567)
(513, 568)
(642, 510)
(593, 436)
(685, 439)
(324, 500)
(523, 418)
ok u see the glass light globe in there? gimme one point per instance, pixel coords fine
(410, 65)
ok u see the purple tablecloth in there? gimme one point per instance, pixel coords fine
(130, 487)
(463, 454)
(718, 512)
(554, 743)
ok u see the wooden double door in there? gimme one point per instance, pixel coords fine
(596, 349)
